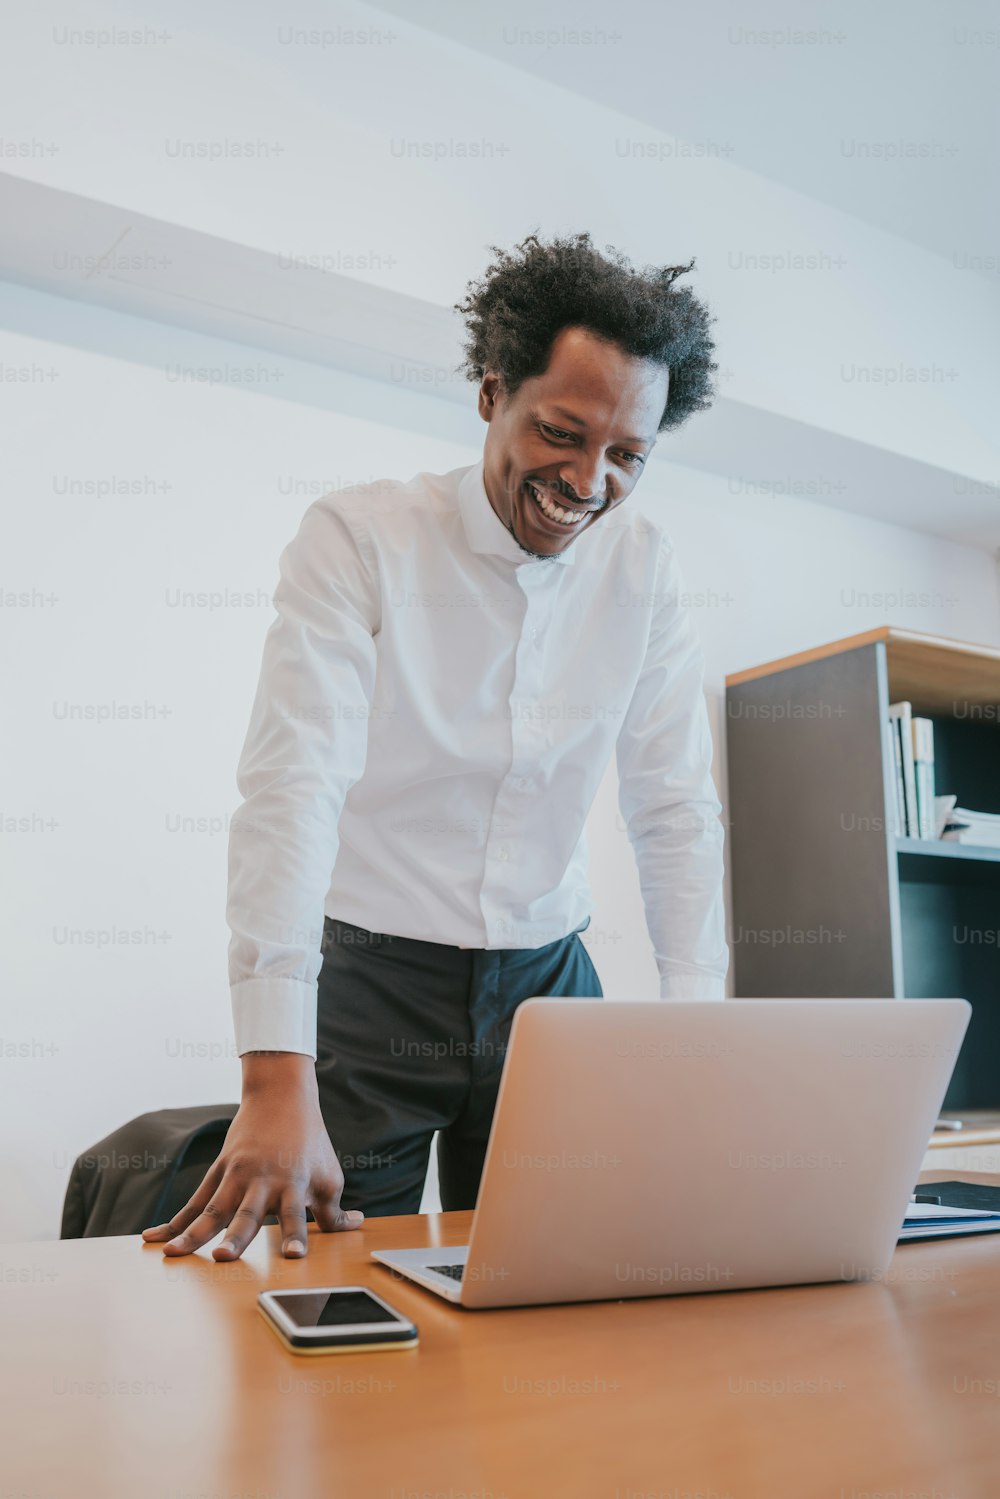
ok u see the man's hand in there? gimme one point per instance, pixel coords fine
(277, 1158)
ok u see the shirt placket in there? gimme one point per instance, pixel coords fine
(508, 845)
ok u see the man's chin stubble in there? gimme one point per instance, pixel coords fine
(538, 556)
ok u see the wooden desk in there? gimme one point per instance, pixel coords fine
(128, 1374)
(974, 1148)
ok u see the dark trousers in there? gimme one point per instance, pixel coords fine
(411, 1038)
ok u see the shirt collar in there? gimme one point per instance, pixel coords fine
(485, 530)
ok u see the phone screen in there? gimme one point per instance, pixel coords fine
(332, 1309)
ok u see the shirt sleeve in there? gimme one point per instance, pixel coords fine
(669, 802)
(305, 747)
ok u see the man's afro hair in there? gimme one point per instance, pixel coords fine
(529, 294)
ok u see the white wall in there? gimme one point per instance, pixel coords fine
(199, 475)
(400, 159)
(94, 1034)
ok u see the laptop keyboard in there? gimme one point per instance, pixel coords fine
(454, 1272)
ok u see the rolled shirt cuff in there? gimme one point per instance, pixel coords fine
(274, 1015)
(692, 986)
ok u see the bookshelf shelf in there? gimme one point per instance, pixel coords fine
(924, 848)
(813, 851)
(967, 868)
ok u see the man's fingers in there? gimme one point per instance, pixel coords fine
(292, 1218)
(331, 1217)
(214, 1216)
(245, 1222)
(189, 1212)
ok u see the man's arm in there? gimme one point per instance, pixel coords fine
(304, 749)
(669, 802)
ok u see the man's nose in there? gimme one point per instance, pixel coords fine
(584, 477)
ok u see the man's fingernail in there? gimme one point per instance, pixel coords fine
(295, 1246)
(355, 1216)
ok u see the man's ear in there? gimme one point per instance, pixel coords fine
(489, 391)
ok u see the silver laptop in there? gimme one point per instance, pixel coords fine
(651, 1148)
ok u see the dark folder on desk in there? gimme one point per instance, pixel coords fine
(961, 1208)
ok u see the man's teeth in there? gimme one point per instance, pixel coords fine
(553, 511)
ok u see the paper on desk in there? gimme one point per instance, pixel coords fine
(918, 1212)
(949, 1230)
(935, 1220)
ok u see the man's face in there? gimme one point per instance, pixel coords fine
(575, 437)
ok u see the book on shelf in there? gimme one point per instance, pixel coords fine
(913, 750)
(923, 771)
(897, 760)
(901, 718)
(974, 828)
(943, 808)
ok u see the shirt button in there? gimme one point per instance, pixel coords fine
(502, 853)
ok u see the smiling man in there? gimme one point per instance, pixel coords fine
(455, 660)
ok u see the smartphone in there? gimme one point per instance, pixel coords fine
(336, 1319)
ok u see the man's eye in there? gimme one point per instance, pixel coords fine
(554, 432)
(633, 458)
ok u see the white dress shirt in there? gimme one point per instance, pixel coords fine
(435, 712)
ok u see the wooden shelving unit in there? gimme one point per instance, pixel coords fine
(827, 899)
